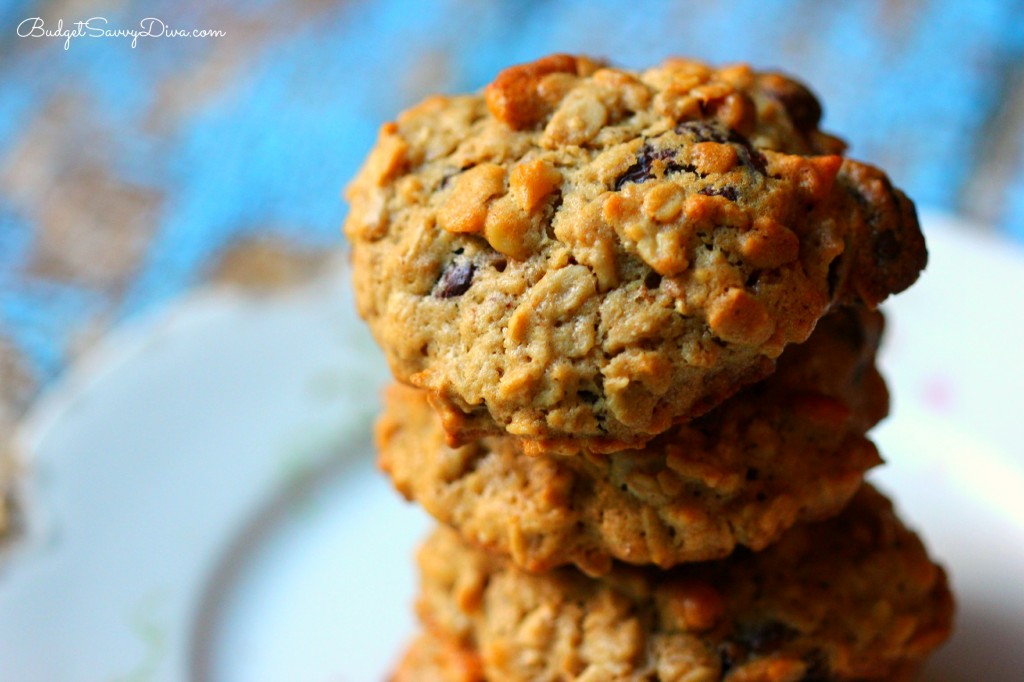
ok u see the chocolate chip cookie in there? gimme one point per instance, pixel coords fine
(852, 598)
(583, 256)
(788, 449)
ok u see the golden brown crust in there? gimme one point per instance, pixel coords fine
(652, 240)
(887, 239)
(433, 658)
(789, 449)
(518, 98)
(853, 598)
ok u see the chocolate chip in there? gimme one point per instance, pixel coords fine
(729, 192)
(673, 167)
(887, 248)
(701, 131)
(638, 172)
(874, 209)
(455, 280)
(748, 155)
(643, 168)
(704, 131)
(801, 105)
(804, 109)
(763, 639)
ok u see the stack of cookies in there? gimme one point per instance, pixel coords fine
(633, 318)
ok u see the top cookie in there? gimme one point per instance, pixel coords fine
(586, 255)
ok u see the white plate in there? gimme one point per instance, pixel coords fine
(203, 504)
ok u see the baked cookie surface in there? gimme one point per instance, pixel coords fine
(432, 658)
(788, 449)
(583, 256)
(852, 598)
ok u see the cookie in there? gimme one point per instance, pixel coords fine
(582, 256)
(852, 598)
(432, 658)
(788, 449)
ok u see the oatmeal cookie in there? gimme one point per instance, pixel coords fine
(584, 255)
(788, 449)
(852, 598)
(432, 658)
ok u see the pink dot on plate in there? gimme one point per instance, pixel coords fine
(938, 393)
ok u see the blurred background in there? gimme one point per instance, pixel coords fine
(129, 175)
